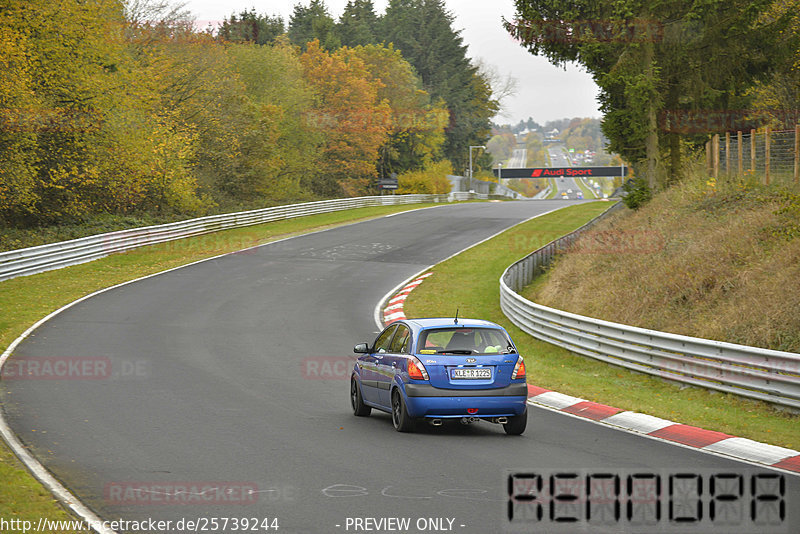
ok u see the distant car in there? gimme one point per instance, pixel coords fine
(564, 195)
(441, 369)
(569, 190)
(580, 194)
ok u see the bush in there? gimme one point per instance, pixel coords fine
(430, 180)
(637, 193)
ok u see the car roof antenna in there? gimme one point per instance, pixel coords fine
(455, 321)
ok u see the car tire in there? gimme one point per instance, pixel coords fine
(400, 418)
(359, 408)
(516, 424)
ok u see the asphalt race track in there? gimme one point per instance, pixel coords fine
(559, 159)
(224, 374)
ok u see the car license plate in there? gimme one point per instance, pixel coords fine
(472, 373)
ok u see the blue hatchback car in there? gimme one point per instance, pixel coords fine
(437, 369)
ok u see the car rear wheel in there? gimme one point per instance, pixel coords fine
(400, 418)
(359, 408)
(516, 424)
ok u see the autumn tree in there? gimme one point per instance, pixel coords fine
(416, 126)
(18, 108)
(68, 57)
(275, 150)
(355, 123)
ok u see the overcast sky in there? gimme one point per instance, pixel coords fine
(544, 92)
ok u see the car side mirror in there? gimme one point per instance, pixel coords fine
(361, 348)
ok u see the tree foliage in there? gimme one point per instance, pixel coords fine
(313, 22)
(359, 24)
(355, 122)
(430, 180)
(423, 32)
(648, 58)
(416, 127)
(125, 108)
(251, 27)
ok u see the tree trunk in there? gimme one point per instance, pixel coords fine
(651, 142)
(673, 137)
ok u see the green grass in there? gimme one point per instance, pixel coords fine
(587, 192)
(469, 281)
(92, 224)
(553, 188)
(27, 299)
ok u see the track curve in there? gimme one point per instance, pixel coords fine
(212, 384)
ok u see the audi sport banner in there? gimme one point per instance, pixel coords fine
(557, 172)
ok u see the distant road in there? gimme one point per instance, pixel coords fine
(559, 158)
(519, 158)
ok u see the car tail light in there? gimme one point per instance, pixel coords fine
(416, 370)
(519, 369)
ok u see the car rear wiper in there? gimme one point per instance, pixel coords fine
(454, 351)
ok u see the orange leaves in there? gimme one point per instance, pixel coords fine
(355, 122)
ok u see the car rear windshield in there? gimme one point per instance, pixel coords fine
(459, 340)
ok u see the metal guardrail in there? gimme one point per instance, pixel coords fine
(42, 258)
(768, 375)
(482, 189)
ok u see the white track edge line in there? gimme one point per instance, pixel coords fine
(36, 468)
(379, 324)
(376, 314)
(663, 440)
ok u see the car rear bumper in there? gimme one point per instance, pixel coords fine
(426, 390)
(427, 401)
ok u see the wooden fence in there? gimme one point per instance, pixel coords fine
(771, 156)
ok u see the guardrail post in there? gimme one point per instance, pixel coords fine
(753, 152)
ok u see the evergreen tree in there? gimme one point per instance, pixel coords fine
(313, 22)
(251, 27)
(358, 24)
(423, 31)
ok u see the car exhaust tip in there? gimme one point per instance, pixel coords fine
(436, 422)
(469, 420)
(501, 420)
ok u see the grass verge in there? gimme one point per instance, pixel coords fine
(15, 238)
(469, 281)
(587, 191)
(553, 188)
(27, 299)
(715, 261)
